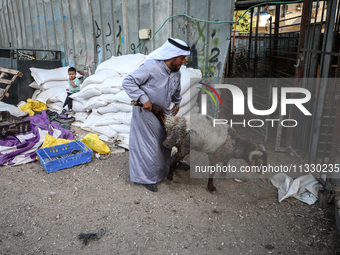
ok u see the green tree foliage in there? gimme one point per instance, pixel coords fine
(244, 24)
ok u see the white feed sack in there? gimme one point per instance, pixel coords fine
(42, 76)
(53, 95)
(190, 93)
(34, 85)
(35, 94)
(122, 97)
(124, 139)
(110, 108)
(108, 86)
(78, 106)
(189, 77)
(98, 77)
(120, 128)
(104, 130)
(81, 116)
(58, 106)
(49, 84)
(91, 119)
(114, 118)
(123, 107)
(193, 110)
(123, 117)
(82, 101)
(106, 120)
(186, 108)
(113, 82)
(107, 98)
(94, 103)
(87, 92)
(122, 64)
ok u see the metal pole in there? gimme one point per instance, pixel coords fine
(235, 30)
(250, 33)
(299, 66)
(324, 72)
(256, 37)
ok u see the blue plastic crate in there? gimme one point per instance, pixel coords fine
(61, 156)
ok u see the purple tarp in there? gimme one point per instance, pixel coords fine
(21, 149)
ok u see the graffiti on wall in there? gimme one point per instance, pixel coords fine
(42, 21)
(209, 63)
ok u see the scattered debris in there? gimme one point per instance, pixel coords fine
(95, 236)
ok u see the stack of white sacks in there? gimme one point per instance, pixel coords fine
(51, 87)
(102, 104)
(110, 107)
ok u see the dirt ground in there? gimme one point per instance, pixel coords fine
(44, 213)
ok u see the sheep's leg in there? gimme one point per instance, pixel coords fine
(211, 186)
(173, 166)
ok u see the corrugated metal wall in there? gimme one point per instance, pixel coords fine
(91, 31)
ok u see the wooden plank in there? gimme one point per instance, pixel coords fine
(10, 71)
(5, 81)
(3, 93)
(3, 74)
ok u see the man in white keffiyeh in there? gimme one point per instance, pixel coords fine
(156, 81)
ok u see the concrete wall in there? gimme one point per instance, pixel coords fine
(90, 31)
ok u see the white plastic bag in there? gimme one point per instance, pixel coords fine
(304, 188)
(15, 111)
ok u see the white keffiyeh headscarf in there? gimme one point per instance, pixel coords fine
(170, 49)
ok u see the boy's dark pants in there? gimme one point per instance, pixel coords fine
(68, 101)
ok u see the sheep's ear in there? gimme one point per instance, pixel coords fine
(254, 153)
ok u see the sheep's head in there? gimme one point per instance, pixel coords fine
(258, 157)
(156, 110)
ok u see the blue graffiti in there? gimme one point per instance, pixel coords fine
(43, 21)
(63, 60)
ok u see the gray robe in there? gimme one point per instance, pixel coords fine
(148, 158)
